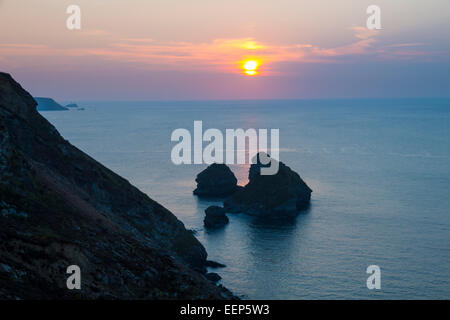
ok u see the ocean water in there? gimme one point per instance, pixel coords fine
(380, 171)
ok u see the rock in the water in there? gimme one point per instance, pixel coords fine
(72, 105)
(214, 264)
(212, 276)
(216, 181)
(215, 217)
(281, 194)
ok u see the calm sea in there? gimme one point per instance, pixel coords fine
(380, 171)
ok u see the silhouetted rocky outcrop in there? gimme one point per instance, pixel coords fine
(281, 194)
(212, 276)
(48, 104)
(216, 181)
(214, 264)
(59, 207)
(215, 217)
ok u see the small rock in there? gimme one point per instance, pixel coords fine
(214, 264)
(215, 217)
(212, 276)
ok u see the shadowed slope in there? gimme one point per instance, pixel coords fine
(60, 207)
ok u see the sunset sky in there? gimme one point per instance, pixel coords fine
(195, 49)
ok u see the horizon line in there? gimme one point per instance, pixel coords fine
(245, 99)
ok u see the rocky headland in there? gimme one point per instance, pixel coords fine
(59, 207)
(48, 104)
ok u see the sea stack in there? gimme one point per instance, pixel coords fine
(215, 217)
(281, 194)
(216, 181)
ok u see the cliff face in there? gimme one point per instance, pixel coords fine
(59, 207)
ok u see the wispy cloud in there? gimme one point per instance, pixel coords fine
(401, 45)
(223, 54)
(220, 54)
(364, 44)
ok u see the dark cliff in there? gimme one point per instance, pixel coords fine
(59, 207)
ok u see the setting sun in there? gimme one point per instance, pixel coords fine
(250, 67)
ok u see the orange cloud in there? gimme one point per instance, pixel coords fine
(224, 55)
